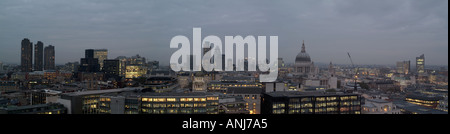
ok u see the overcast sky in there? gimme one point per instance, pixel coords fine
(373, 31)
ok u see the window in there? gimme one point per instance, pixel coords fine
(159, 99)
(171, 99)
(212, 98)
(320, 99)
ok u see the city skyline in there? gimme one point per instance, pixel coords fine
(373, 32)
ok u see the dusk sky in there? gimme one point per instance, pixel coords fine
(373, 31)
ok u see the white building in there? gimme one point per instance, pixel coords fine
(379, 106)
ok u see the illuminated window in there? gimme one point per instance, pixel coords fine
(212, 98)
(159, 99)
(320, 99)
(171, 99)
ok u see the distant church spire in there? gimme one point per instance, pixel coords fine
(303, 47)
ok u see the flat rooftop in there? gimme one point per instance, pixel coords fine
(244, 90)
(163, 94)
(93, 92)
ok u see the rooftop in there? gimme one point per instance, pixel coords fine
(92, 92)
(416, 108)
(247, 90)
(377, 100)
(163, 94)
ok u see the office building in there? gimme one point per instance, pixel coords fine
(86, 102)
(420, 64)
(123, 65)
(403, 67)
(71, 67)
(422, 100)
(135, 71)
(310, 103)
(26, 63)
(44, 96)
(199, 84)
(410, 108)
(232, 105)
(158, 103)
(251, 96)
(89, 63)
(50, 108)
(222, 87)
(161, 84)
(101, 55)
(49, 58)
(136, 60)
(6, 86)
(39, 56)
(111, 68)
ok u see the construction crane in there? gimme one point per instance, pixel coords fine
(356, 72)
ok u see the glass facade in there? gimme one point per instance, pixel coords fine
(333, 104)
(154, 105)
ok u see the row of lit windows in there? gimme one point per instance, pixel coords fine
(278, 111)
(212, 98)
(54, 112)
(235, 85)
(90, 101)
(104, 105)
(174, 105)
(343, 98)
(278, 105)
(105, 99)
(173, 111)
(421, 101)
(350, 103)
(247, 97)
(321, 99)
(422, 104)
(131, 106)
(328, 104)
(158, 99)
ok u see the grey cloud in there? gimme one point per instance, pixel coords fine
(384, 30)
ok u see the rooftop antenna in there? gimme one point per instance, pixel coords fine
(356, 72)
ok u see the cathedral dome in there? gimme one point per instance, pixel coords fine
(302, 56)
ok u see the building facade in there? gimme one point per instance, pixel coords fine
(310, 103)
(49, 58)
(420, 64)
(50, 108)
(39, 56)
(111, 68)
(379, 106)
(403, 67)
(251, 96)
(89, 63)
(159, 103)
(26, 63)
(101, 55)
